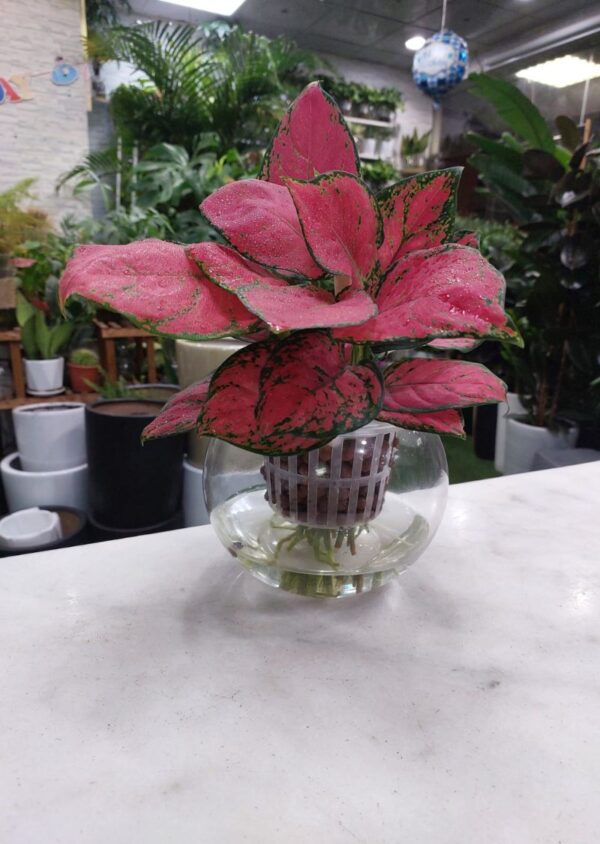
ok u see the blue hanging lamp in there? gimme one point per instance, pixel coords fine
(441, 63)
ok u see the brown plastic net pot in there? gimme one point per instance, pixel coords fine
(341, 484)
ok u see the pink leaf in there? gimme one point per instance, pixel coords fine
(260, 221)
(418, 385)
(418, 213)
(466, 238)
(156, 286)
(180, 414)
(457, 344)
(436, 422)
(312, 138)
(451, 291)
(286, 396)
(282, 306)
(341, 224)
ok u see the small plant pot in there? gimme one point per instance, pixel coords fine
(73, 531)
(386, 149)
(50, 436)
(385, 113)
(523, 441)
(346, 106)
(44, 377)
(368, 147)
(364, 110)
(132, 485)
(62, 487)
(80, 377)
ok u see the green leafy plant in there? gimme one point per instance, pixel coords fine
(17, 224)
(41, 340)
(109, 388)
(378, 174)
(414, 144)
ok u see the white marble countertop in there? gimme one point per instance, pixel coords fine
(152, 692)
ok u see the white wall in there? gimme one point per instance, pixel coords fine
(47, 135)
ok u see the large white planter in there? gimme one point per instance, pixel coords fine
(511, 407)
(29, 529)
(194, 362)
(50, 436)
(64, 487)
(44, 376)
(524, 441)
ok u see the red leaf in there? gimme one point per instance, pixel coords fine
(341, 224)
(286, 396)
(418, 213)
(418, 385)
(451, 291)
(260, 221)
(436, 422)
(281, 305)
(156, 286)
(312, 138)
(466, 238)
(458, 344)
(180, 414)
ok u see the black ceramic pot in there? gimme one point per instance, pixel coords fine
(484, 430)
(73, 524)
(131, 486)
(103, 533)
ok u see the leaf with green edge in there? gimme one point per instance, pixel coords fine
(422, 385)
(312, 138)
(180, 414)
(341, 224)
(260, 221)
(447, 292)
(418, 213)
(514, 108)
(456, 344)
(436, 422)
(286, 396)
(464, 237)
(283, 306)
(155, 285)
(503, 152)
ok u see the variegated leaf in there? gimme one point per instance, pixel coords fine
(157, 287)
(180, 414)
(423, 385)
(341, 224)
(434, 422)
(286, 396)
(259, 219)
(283, 306)
(451, 291)
(418, 213)
(311, 139)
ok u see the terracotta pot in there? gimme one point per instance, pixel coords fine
(78, 375)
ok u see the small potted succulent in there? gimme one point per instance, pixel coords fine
(413, 147)
(325, 476)
(83, 367)
(42, 341)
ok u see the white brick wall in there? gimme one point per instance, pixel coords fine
(45, 136)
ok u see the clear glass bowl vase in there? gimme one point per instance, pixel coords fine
(334, 521)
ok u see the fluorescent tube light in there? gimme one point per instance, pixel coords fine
(225, 8)
(414, 43)
(559, 73)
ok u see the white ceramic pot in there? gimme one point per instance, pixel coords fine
(63, 487)
(194, 362)
(368, 147)
(194, 506)
(511, 407)
(524, 441)
(386, 149)
(50, 436)
(29, 529)
(44, 376)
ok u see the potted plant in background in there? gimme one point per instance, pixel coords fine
(42, 342)
(17, 225)
(412, 149)
(83, 367)
(387, 101)
(324, 278)
(551, 190)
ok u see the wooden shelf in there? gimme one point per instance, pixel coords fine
(374, 158)
(367, 121)
(86, 398)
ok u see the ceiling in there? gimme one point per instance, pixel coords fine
(375, 30)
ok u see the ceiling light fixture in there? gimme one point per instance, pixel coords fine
(562, 72)
(414, 43)
(224, 8)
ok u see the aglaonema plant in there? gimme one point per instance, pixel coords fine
(324, 277)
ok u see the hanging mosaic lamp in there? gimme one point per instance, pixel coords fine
(441, 63)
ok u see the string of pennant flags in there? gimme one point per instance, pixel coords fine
(16, 88)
